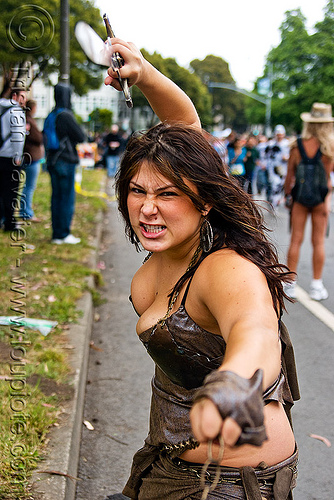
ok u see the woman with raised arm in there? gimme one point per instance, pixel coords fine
(209, 297)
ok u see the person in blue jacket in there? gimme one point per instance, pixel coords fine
(61, 164)
(237, 155)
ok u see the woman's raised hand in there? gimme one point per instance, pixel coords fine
(134, 64)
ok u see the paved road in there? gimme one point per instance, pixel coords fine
(118, 385)
(314, 350)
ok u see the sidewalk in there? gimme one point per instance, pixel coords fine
(56, 476)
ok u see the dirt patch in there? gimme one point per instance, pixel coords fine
(5, 350)
(50, 387)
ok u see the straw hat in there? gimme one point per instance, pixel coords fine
(320, 113)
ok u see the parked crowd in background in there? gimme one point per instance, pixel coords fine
(258, 162)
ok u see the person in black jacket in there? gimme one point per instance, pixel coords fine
(115, 147)
(61, 164)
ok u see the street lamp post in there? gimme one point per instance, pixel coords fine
(265, 100)
(64, 41)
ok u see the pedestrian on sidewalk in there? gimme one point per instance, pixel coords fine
(13, 135)
(115, 147)
(277, 155)
(251, 163)
(33, 155)
(317, 142)
(62, 160)
(262, 174)
(236, 160)
(209, 297)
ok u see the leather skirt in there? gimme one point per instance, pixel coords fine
(176, 479)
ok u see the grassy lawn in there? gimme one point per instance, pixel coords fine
(41, 281)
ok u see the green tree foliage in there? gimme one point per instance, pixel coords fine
(31, 32)
(287, 66)
(292, 59)
(301, 68)
(323, 67)
(101, 119)
(228, 105)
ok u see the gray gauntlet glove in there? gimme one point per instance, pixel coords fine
(239, 398)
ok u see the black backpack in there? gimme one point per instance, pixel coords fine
(311, 186)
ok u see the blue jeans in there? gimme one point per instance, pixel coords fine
(32, 172)
(112, 165)
(263, 182)
(62, 198)
(10, 177)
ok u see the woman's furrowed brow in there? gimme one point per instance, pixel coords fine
(157, 190)
(166, 186)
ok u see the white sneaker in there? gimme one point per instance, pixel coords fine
(70, 239)
(290, 289)
(318, 291)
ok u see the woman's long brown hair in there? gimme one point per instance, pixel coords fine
(182, 153)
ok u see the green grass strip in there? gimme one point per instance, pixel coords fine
(42, 281)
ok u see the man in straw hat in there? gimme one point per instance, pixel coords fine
(317, 135)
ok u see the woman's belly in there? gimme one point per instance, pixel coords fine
(279, 445)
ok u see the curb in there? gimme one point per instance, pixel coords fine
(56, 476)
(62, 454)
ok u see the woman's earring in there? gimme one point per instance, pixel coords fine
(206, 236)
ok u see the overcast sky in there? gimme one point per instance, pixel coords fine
(240, 31)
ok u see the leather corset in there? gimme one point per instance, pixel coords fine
(184, 351)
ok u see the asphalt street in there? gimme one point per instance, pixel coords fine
(118, 384)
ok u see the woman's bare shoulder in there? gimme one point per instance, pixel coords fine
(227, 260)
(233, 288)
(228, 271)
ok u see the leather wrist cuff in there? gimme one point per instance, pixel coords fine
(239, 398)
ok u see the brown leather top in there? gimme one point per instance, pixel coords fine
(184, 354)
(184, 351)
